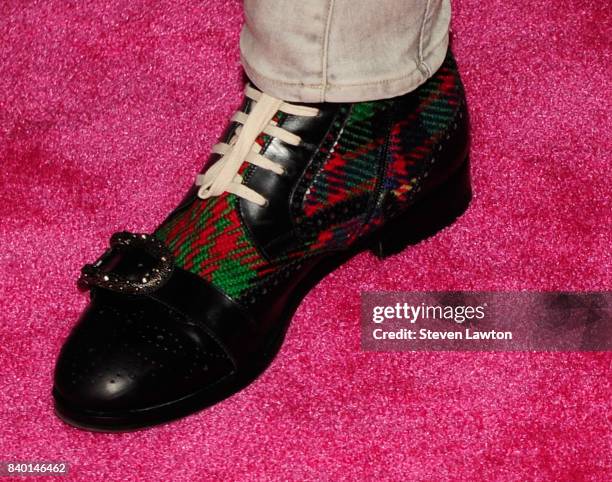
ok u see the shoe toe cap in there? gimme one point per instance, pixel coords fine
(135, 354)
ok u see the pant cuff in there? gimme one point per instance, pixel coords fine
(360, 92)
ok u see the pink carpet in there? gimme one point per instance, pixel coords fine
(107, 110)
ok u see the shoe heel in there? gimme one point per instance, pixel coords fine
(440, 208)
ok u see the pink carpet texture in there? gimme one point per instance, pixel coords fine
(107, 111)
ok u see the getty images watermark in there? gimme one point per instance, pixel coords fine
(486, 321)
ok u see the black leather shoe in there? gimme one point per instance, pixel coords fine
(185, 317)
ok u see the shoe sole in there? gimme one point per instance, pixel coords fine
(435, 211)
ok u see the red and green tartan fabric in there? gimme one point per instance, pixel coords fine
(208, 239)
(352, 167)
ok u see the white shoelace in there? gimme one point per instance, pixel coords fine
(223, 175)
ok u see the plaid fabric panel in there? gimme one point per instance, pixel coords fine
(208, 239)
(352, 166)
(414, 136)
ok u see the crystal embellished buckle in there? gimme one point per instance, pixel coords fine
(153, 268)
